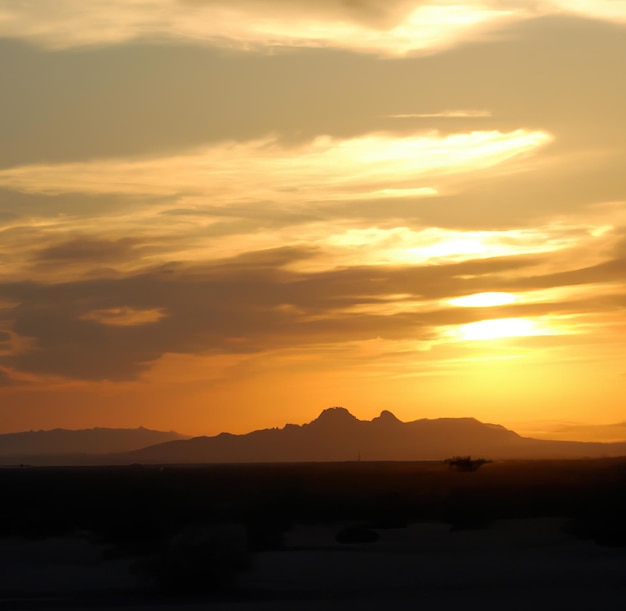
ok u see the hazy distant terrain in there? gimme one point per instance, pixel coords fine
(19, 447)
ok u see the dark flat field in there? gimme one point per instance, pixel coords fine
(266, 535)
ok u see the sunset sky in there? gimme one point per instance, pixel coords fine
(232, 214)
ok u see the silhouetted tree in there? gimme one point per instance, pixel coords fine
(465, 463)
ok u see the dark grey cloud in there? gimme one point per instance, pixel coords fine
(246, 218)
(613, 270)
(87, 249)
(16, 206)
(253, 303)
(6, 379)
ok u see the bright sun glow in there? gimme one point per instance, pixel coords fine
(483, 300)
(498, 328)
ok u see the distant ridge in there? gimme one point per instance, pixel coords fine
(337, 435)
(85, 441)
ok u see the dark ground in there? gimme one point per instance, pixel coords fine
(327, 535)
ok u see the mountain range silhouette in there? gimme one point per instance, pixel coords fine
(337, 435)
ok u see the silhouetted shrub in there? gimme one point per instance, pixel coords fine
(465, 463)
(198, 560)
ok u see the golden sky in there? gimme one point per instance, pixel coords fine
(231, 214)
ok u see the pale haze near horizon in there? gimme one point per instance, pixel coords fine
(223, 216)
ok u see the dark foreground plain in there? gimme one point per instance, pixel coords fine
(514, 534)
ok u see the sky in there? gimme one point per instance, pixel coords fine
(224, 215)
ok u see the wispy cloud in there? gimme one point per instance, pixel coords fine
(396, 28)
(444, 114)
(326, 168)
(124, 316)
(611, 10)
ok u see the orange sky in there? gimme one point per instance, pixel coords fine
(230, 215)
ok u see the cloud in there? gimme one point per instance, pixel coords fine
(397, 27)
(392, 28)
(445, 114)
(160, 100)
(607, 271)
(78, 249)
(188, 206)
(323, 244)
(124, 316)
(326, 168)
(6, 379)
(117, 328)
(611, 10)
(401, 245)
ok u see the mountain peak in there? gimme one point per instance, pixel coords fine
(387, 417)
(335, 414)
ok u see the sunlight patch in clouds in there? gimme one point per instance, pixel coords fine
(499, 328)
(548, 325)
(402, 245)
(484, 300)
